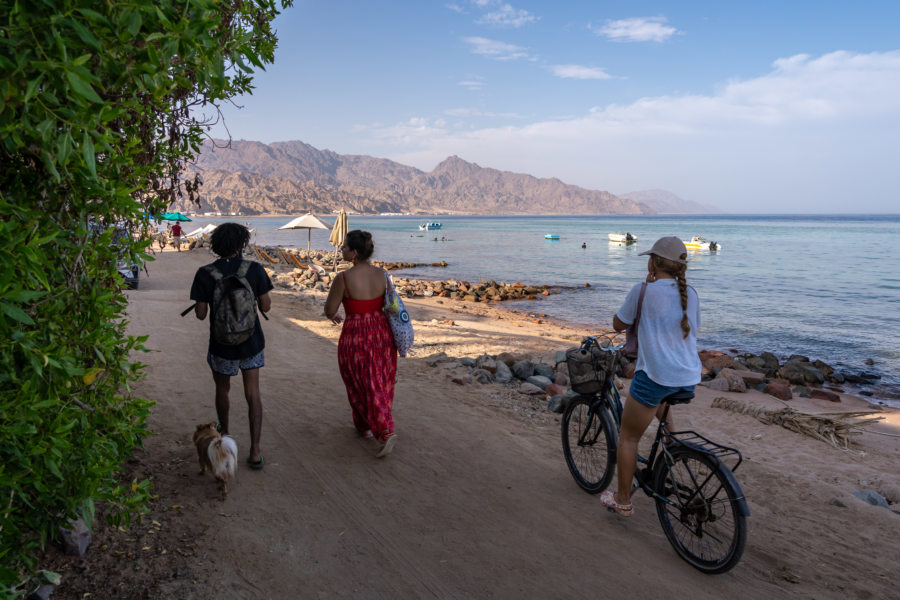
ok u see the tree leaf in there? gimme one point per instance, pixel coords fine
(82, 87)
(87, 151)
(16, 313)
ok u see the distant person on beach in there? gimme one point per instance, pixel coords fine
(667, 359)
(228, 241)
(176, 234)
(584, 244)
(367, 356)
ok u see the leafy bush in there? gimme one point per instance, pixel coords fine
(101, 105)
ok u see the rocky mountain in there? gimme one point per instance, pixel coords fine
(664, 202)
(293, 177)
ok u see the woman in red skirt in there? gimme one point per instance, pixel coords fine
(367, 356)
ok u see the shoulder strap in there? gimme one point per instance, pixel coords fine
(243, 268)
(215, 273)
(637, 315)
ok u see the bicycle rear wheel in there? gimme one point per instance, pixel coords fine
(589, 440)
(705, 521)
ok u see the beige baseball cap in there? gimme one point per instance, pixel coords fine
(669, 247)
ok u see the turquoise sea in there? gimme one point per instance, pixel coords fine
(827, 287)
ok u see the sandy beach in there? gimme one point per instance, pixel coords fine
(476, 500)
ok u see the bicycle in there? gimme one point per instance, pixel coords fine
(700, 504)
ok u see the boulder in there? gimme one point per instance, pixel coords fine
(819, 394)
(803, 391)
(503, 374)
(561, 379)
(540, 381)
(556, 404)
(779, 390)
(554, 389)
(720, 362)
(482, 376)
(750, 378)
(543, 370)
(508, 358)
(523, 369)
(76, 538)
(771, 360)
(719, 384)
(531, 389)
(467, 361)
(559, 356)
(628, 370)
(872, 497)
(800, 373)
(734, 379)
(461, 379)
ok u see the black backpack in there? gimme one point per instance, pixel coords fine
(234, 306)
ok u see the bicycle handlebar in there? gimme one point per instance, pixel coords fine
(591, 340)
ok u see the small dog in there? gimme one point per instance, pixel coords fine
(216, 452)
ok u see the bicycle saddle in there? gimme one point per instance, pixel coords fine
(679, 398)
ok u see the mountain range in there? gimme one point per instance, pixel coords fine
(253, 178)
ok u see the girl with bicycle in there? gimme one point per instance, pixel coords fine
(667, 360)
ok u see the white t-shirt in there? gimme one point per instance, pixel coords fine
(664, 354)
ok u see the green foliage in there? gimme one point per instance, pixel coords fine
(101, 105)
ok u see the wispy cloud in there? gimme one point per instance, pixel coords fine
(473, 83)
(579, 72)
(636, 29)
(507, 16)
(456, 8)
(495, 50)
(475, 112)
(813, 131)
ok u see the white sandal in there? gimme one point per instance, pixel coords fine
(608, 498)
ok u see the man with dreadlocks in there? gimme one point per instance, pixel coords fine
(228, 241)
(667, 360)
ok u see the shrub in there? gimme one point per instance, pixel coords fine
(101, 105)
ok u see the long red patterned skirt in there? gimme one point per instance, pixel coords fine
(367, 359)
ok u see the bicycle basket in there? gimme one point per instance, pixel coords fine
(586, 371)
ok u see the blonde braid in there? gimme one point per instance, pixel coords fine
(678, 270)
(682, 291)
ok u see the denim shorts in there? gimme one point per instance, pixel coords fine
(227, 366)
(650, 394)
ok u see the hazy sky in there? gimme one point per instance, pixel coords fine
(753, 107)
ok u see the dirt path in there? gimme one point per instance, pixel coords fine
(475, 501)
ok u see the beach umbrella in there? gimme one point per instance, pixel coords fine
(338, 234)
(175, 216)
(308, 222)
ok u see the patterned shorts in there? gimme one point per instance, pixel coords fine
(227, 366)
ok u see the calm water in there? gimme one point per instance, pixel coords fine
(824, 286)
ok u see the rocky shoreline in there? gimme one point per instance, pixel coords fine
(733, 371)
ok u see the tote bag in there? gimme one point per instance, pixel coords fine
(397, 317)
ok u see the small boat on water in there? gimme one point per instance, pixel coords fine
(432, 225)
(551, 236)
(700, 243)
(624, 238)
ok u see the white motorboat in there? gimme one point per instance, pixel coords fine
(623, 238)
(432, 225)
(700, 243)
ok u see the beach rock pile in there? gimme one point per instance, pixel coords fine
(764, 372)
(532, 378)
(485, 291)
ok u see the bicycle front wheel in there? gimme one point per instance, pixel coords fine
(589, 440)
(701, 510)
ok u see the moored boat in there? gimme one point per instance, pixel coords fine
(700, 243)
(624, 238)
(432, 225)
(551, 236)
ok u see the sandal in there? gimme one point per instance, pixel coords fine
(608, 498)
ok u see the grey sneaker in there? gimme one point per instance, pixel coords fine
(387, 447)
